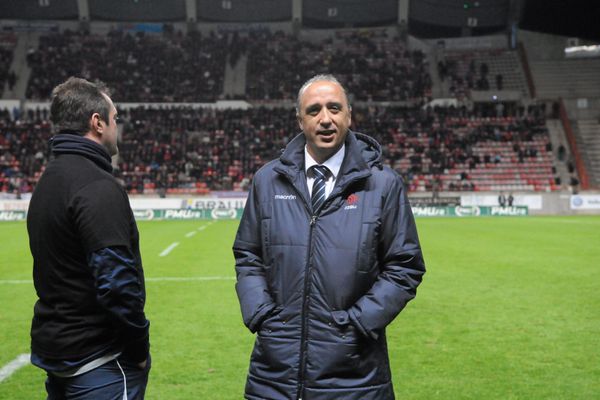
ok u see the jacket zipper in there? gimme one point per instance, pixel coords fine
(305, 301)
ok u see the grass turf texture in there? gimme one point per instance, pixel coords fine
(509, 309)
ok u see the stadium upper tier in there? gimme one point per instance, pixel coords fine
(192, 151)
(177, 67)
(7, 45)
(138, 68)
(372, 65)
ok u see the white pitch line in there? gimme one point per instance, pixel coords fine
(11, 367)
(190, 234)
(15, 281)
(203, 227)
(168, 249)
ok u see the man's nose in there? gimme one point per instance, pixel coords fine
(325, 118)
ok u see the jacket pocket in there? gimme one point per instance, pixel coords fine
(275, 350)
(344, 361)
(271, 323)
(273, 357)
(350, 359)
(367, 247)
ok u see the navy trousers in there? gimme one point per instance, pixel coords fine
(116, 380)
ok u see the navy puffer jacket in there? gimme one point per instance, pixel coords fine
(320, 288)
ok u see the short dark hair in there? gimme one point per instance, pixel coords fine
(74, 101)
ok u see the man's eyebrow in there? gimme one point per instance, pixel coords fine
(313, 107)
(334, 104)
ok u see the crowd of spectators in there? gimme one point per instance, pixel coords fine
(172, 67)
(372, 65)
(187, 150)
(451, 148)
(178, 67)
(200, 148)
(23, 150)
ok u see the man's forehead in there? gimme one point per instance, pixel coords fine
(323, 87)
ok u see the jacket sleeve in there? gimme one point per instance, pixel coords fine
(120, 292)
(401, 266)
(251, 287)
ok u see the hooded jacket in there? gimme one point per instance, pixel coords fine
(320, 286)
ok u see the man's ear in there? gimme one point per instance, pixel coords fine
(349, 115)
(299, 119)
(96, 123)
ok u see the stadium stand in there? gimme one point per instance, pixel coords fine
(495, 70)
(567, 78)
(23, 151)
(279, 63)
(589, 137)
(7, 44)
(140, 67)
(457, 151)
(183, 150)
(184, 54)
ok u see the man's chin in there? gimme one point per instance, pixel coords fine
(327, 141)
(329, 148)
(112, 151)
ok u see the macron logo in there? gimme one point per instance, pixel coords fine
(285, 197)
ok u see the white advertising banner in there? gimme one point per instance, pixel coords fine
(157, 203)
(532, 201)
(196, 203)
(212, 203)
(585, 202)
(14, 205)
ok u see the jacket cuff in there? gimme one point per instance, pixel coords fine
(356, 322)
(136, 351)
(260, 316)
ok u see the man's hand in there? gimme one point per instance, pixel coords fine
(143, 364)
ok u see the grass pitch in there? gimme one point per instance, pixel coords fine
(509, 309)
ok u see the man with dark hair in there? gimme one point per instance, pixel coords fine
(327, 255)
(89, 331)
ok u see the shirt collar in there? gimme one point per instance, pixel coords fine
(333, 163)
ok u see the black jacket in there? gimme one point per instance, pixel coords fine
(321, 288)
(87, 267)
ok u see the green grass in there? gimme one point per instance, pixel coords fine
(509, 309)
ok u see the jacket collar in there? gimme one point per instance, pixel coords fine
(362, 153)
(69, 142)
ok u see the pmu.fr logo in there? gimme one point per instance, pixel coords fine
(351, 202)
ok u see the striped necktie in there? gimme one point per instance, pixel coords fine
(318, 190)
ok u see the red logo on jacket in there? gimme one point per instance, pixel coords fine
(352, 199)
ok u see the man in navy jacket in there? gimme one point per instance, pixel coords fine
(327, 255)
(89, 331)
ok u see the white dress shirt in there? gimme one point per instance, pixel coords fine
(333, 163)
